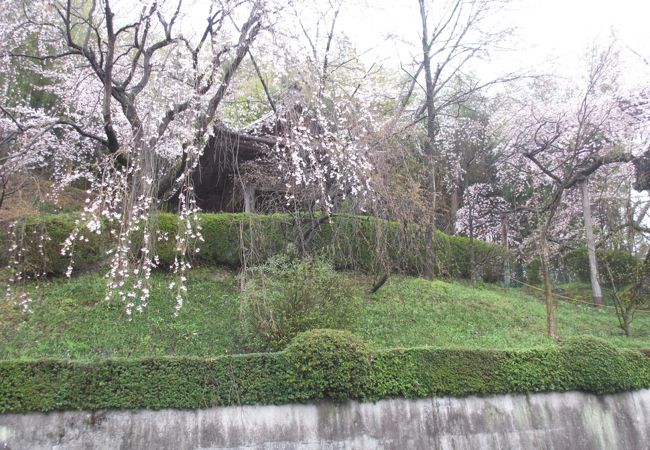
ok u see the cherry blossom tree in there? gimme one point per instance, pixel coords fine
(562, 142)
(137, 91)
(327, 151)
(326, 120)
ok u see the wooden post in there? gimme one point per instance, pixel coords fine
(249, 198)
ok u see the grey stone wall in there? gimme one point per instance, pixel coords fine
(571, 420)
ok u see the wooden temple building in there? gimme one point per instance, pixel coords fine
(235, 172)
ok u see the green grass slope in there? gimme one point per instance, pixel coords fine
(71, 319)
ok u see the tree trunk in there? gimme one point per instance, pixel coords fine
(548, 294)
(429, 269)
(434, 193)
(642, 287)
(629, 216)
(626, 324)
(472, 252)
(591, 244)
(454, 204)
(543, 247)
(504, 242)
(428, 78)
(431, 134)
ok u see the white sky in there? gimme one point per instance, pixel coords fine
(550, 36)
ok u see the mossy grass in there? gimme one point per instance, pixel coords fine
(72, 320)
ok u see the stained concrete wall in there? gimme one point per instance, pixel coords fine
(539, 421)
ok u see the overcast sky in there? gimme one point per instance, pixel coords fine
(550, 36)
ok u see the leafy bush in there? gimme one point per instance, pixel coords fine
(289, 294)
(228, 238)
(453, 254)
(534, 271)
(620, 264)
(371, 244)
(535, 370)
(422, 372)
(330, 364)
(576, 264)
(152, 383)
(595, 365)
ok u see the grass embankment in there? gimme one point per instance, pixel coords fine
(71, 319)
(30, 196)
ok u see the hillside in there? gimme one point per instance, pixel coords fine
(71, 319)
(30, 196)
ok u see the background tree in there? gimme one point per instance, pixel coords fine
(566, 143)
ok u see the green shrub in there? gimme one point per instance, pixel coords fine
(153, 383)
(453, 254)
(353, 242)
(535, 370)
(534, 271)
(375, 245)
(330, 364)
(638, 368)
(289, 294)
(576, 264)
(622, 266)
(594, 365)
(228, 238)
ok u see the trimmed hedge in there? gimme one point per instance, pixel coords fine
(223, 233)
(352, 242)
(47, 385)
(359, 242)
(340, 368)
(355, 242)
(50, 231)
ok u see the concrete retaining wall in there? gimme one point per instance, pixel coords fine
(571, 420)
